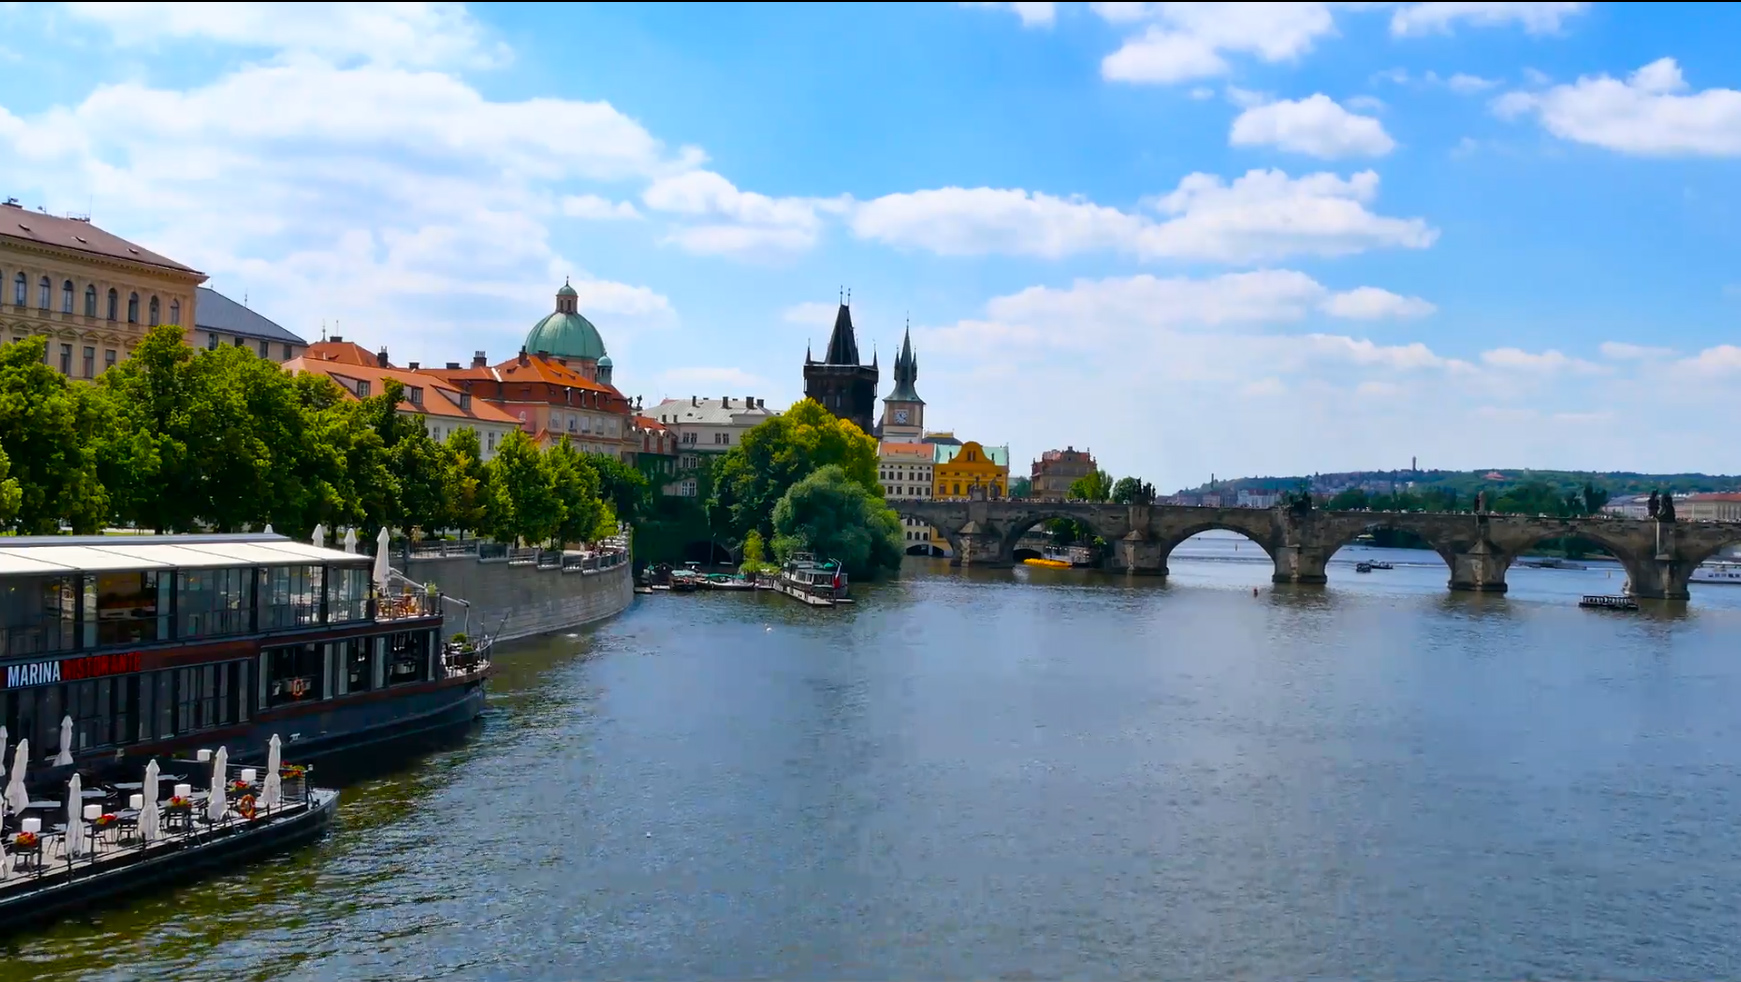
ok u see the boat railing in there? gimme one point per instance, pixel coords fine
(408, 605)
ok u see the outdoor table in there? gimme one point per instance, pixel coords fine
(130, 786)
(36, 806)
(93, 794)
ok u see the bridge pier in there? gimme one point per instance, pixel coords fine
(1300, 564)
(975, 545)
(1140, 555)
(1659, 578)
(1480, 569)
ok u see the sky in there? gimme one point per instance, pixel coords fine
(1195, 238)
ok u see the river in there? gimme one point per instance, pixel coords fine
(1030, 774)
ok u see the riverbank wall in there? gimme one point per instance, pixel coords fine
(522, 597)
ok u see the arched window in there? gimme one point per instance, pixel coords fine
(175, 312)
(153, 321)
(66, 297)
(114, 304)
(91, 300)
(19, 287)
(44, 292)
(132, 308)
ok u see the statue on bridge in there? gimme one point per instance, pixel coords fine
(1653, 507)
(1665, 509)
(1480, 502)
(1299, 502)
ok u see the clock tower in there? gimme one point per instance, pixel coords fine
(903, 410)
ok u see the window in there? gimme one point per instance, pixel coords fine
(357, 657)
(44, 290)
(152, 315)
(265, 348)
(132, 308)
(284, 352)
(125, 608)
(66, 297)
(108, 358)
(213, 601)
(407, 657)
(211, 695)
(492, 448)
(416, 393)
(362, 388)
(91, 300)
(90, 361)
(347, 594)
(66, 360)
(114, 304)
(19, 287)
(289, 597)
(175, 312)
(294, 674)
(687, 488)
(36, 615)
(211, 342)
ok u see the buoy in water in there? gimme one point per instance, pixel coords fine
(1254, 591)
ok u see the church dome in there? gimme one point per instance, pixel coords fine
(565, 333)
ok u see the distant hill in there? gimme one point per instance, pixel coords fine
(1467, 483)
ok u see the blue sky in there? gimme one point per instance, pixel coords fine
(1197, 238)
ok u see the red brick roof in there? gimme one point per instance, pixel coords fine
(439, 398)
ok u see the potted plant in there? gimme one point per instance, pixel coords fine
(106, 819)
(179, 804)
(26, 842)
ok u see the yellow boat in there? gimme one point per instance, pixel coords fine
(1048, 563)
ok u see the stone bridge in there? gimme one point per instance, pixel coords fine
(1659, 557)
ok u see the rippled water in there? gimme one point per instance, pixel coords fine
(1034, 773)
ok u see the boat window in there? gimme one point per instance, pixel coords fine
(36, 615)
(407, 657)
(163, 687)
(359, 665)
(124, 608)
(91, 705)
(290, 597)
(348, 598)
(294, 674)
(212, 602)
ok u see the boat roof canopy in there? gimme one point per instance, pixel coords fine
(50, 555)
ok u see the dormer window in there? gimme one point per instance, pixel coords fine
(465, 401)
(362, 388)
(416, 395)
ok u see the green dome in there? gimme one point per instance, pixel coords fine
(565, 333)
(604, 362)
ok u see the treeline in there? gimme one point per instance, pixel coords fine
(1533, 498)
(178, 440)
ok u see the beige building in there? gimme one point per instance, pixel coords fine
(94, 294)
(904, 470)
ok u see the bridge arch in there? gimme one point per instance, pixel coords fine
(1353, 527)
(1177, 537)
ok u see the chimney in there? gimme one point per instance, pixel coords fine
(381, 359)
(695, 400)
(413, 366)
(453, 366)
(749, 402)
(478, 360)
(335, 339)
(725, 402)
(523, 359)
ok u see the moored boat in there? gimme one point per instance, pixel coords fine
(1600, 602)
(1362, 567)
(149, 645)
(1051, 558)
(817, 584)
(1720, 572)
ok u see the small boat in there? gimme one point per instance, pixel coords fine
(1600, 602)
(1380, 564)
(1717, 573)
(817, 584)
(1554, 562)
(726, 581)
(1362, 567)
(1051, 559)
(685, 581)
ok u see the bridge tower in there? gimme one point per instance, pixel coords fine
(843, 386)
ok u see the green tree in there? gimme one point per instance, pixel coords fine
(576, 485)
(11, 494)
(1349, 499)
(463, 480)
(522, 503)
(48, 431)
(834, 516)
(1092, 487)
(1021, 487)
(751, 478)
(623, 486)
(755, 554)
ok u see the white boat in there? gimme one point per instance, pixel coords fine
(1717, 573)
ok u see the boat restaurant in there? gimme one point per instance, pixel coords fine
(151, 642)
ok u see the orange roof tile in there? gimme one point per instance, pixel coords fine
(439, 398)
(341, 352)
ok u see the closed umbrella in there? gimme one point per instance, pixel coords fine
(75, 819)
(351, 541)
(219, 804)
(150, 819)
(17, 798)
(268, 528)
(381, 543)
(65, 756)
(319, 536)
(273, 793)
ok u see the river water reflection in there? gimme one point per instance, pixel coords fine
(1034, 773)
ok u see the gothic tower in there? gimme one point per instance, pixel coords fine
(846, 388)
(903, 410)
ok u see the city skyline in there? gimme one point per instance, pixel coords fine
(1236, 240)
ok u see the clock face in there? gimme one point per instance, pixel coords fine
(900, 415)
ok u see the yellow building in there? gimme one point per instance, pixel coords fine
(958, 469)
(94, 294)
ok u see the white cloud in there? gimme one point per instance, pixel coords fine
(1031, 14)
(1316, 126)
(1259, 217)
(1202, 92)
(1651, 113)
(1549, 361)
(594, 208)
(1372, 303)
(1440, 18)
(413, 34)
(1720, 360)
(737, 222)
(1185, 41)
(1465, 84)
(1625, 351)
(1365, 103)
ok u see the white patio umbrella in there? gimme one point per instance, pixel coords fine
(351, 541)
(219, 802)
(16, 797)
(319, 539)
(150, 819)
(268, 529)
(272, 794)
(75, 819)
(381, 547)
(65, 756)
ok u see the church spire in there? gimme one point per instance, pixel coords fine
(843, 342)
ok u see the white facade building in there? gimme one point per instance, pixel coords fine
(710, 425)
